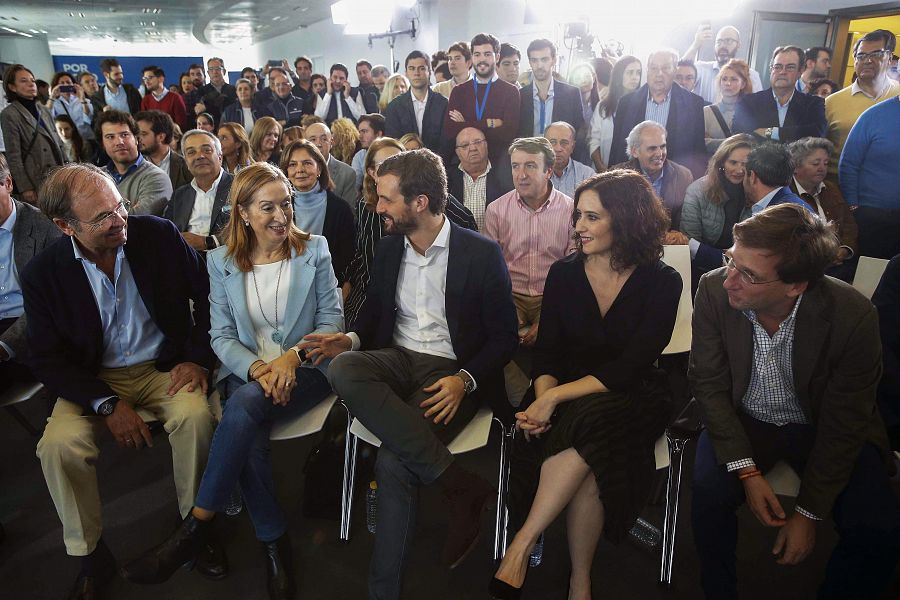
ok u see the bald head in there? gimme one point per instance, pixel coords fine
(320, 136)
(728, 41)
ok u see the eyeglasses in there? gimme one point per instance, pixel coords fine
(148, 78)
(472, 144)
(215, 69)
(726, 41)
(777, 68)
(874, 56)
(728, 263)
(121, 210)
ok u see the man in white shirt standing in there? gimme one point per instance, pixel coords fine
(727, 44)
(199, 209)
(340, 100)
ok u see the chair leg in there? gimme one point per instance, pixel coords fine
(676, 455)
(502, 515)
(351, 443)
(18, 416)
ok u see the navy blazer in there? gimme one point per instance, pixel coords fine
(64, 330)
(566, 107)
(805, 116)
(786, 196)
(234, 114)
(480, 311)
(400, 119)
(181, 206)
(685, 127)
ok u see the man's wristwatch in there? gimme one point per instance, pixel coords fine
(107, 407)
(467, 380)
(769, 133)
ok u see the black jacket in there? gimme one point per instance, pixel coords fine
(64, 329)
(498, 183)
(400, 119)
(566, 107)
(805, 116)
(180, 207)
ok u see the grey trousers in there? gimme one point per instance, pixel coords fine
(383, 389)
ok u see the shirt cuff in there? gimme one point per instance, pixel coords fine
(474, 383)
(9, 351)
(694, 245)
(355, 344)
(806, 513)
(775, 135)
(742, 463)
(96, 403)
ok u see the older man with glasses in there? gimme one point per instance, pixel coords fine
(475, 182)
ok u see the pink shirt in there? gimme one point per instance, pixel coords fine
(531, 240)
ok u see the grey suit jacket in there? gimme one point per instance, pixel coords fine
(180, 207)
(344, 178)
(18, 126)
(178, 171)
(32, 233)
(836, 366)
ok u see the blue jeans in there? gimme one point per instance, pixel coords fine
(240, 448)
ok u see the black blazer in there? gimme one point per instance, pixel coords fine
(234, 114)
(64, 331)
(566, 107)
(340, 233)
(400, 119)
(480, 311)
(498, 183)
(180, 207)
(685, 127)
(805, 116)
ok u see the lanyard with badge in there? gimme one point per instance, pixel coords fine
(479, 110)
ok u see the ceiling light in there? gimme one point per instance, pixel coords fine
(28, 35)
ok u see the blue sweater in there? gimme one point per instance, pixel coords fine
(869, 160)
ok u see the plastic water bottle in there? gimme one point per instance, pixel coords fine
(537, 553)
(371, 506)
(235, 503)
(646, 534)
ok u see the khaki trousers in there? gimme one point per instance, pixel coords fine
(68, 449)
(528, 309)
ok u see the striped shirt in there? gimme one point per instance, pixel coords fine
(658, 112)
(531, 240)
(475, 194)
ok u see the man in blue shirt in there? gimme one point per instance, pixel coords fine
(111, 330)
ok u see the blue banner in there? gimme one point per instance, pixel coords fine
(132, 66)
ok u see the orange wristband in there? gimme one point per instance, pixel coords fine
(749, 474)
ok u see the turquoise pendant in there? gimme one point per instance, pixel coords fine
(277, 337)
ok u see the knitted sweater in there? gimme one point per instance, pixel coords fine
(171, 103)
(843, 108)
(868, 163)
(148, 188)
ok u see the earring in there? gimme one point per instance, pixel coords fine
(246, 223)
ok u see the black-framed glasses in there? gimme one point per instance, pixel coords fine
(864, 56)
(121, 210)
(728, 263)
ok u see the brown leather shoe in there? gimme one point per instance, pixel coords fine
(464, 527)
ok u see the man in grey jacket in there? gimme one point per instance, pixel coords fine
(343, 175)
(24, 232)
(138, 180)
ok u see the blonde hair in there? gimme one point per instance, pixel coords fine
(260, 130)
(369, 193)
(390, 90)
(290, 134)
(237, 131)
(412, 137)
(240, 238)
(345, 139)
(742, 70)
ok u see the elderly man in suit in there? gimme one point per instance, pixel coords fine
(546, 100)
(785, 364)
(342, 175)
(781, 113)
(110, 330)
(24, 232)
(475, 182)
(199, 209)
(423, 358)
(419, 110)
(663, 101)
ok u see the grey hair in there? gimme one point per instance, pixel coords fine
(804, 147)
(192, 132)
(634, 137)
(243, 80)
(535, 145)
(67, 181)
(560, 124)
(379, 70)
(4, 167)
(670, 51)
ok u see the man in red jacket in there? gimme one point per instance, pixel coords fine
(159, 98)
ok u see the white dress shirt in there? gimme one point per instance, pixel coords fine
(201, 215)
(419, 108)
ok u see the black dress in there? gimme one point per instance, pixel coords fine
(613, 432)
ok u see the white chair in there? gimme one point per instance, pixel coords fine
(679, 258)
(868, 274)
(472, 437)
(20, 392)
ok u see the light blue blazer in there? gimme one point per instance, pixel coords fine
(313, 306)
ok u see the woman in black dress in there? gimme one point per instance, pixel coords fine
(598, 403)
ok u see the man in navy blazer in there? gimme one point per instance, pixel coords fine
(436, 329)
(768, 173)
(419, 110)
(563, 100)
(781, 112)
(110, 330)
(664, 101)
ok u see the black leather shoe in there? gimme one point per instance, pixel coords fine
(97, 570)
(158, 564)
(280, 568)
(500, 590)
(212, 562)
(464, 526)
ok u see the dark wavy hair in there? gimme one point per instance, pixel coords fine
(638, 218)
(616, 88)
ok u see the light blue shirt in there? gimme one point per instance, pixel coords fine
(782, 113)
(359, 166)
(11, 303)
(571, 177)
(764, 203)
(117, 101)
(543, 109)
(658, 183)
(130, 337)
(658, 113)
(73, 108)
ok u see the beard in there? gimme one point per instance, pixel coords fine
(398, 226)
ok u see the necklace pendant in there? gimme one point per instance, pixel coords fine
(277, 337)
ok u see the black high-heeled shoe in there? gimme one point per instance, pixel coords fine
(500, 590)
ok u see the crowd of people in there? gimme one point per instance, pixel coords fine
(400, 241)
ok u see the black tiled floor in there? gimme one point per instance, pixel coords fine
(139, 510)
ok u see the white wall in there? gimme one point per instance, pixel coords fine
(34, 53)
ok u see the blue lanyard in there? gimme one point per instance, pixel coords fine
(540, 131)
(479, 110)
